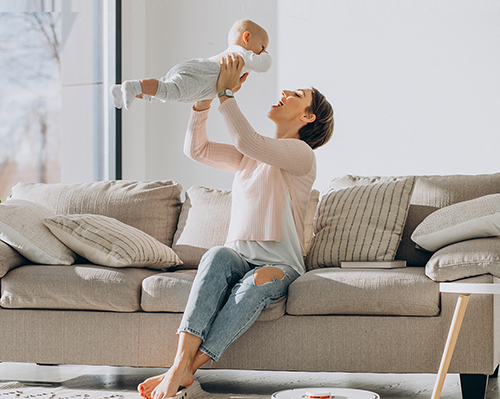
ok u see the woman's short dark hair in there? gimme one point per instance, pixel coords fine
(319, 131)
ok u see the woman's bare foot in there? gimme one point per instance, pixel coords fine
(176, 377)
(146, 388)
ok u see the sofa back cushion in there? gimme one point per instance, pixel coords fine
(430, 193)
(152, 206)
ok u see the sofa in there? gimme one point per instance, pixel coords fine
(99, 274)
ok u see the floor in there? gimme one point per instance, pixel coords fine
(394, 386)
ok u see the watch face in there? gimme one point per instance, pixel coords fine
(227, 93)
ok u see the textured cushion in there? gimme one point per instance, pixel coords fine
(360, 223)
(152, 207)
(430, 193)
(9, 258)
(80, 287)
(398, 292)
(475, 218)
(169, 292)
(309, 220)
(21, 227)
(108, 242)
(203, 223)
(465, 259)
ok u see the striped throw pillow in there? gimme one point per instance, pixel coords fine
(360, 223)
(106, 241)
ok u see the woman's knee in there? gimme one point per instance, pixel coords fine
(267, 274)
(218, 257)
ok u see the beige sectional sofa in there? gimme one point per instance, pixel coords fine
(334, 319)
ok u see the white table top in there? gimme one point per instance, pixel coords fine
(470, 288)
(335, 393)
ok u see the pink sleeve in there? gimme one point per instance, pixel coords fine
(292, 155)
(197, 146)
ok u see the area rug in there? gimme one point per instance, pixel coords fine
(16, 390)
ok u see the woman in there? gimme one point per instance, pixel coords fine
(263, 253)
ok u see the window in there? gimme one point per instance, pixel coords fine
(57, 61)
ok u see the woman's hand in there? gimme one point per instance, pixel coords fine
(230, 72)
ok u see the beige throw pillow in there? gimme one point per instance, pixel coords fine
(465, 259)
(360, 223)
(22, 228)
(475, 218)
(203, 223)
(108, 242)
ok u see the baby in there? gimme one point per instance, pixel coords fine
(196, 79)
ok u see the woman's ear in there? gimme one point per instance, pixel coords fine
(246, 37)
(308, 118)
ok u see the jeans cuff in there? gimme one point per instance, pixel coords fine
(212, 356)
(191, 331)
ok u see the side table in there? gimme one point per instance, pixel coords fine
(465, 290)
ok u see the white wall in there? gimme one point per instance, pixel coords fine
(415, 85)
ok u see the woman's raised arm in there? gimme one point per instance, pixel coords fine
(197, 146)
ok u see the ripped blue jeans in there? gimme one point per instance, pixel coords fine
(225, 301)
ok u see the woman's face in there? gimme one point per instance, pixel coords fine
(292, 105)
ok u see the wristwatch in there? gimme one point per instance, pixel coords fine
(227, 93)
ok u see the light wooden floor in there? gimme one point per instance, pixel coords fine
(394, 386)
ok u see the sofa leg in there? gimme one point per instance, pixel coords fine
(473, 385)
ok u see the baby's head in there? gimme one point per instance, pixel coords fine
(248, 35)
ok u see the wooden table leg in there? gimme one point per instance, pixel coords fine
(456, 323)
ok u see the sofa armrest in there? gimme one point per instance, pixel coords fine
(9, 258)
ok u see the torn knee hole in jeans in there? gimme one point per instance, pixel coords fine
(267, 275)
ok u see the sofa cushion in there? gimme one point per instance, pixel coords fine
(9, 258)
(203, 223)
(151, 206)
(169, 292)
(430, 193)
(465, 259)
(78, 287)
(21, 227)
(360, 223)
(388, 292)
(106, 241)
(479, 217)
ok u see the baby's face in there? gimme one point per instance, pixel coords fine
(255, 42)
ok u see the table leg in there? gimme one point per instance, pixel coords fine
(456, 323)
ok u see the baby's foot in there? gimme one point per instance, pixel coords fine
(116, 95)
(130, 88)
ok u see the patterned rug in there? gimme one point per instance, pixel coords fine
(16, 390)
